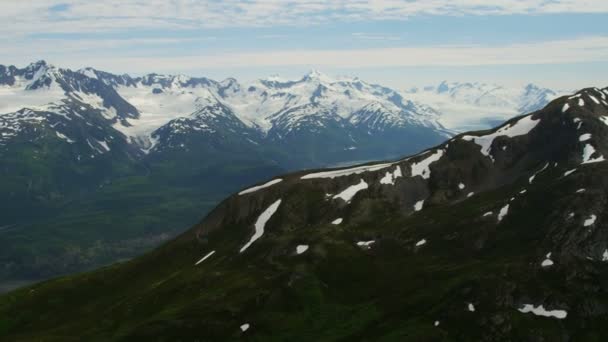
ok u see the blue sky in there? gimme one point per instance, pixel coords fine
(559, 43)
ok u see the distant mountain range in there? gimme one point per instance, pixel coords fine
(92, 161)
(494, 235)
(466, 106)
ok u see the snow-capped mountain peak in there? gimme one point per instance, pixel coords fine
(317, 76)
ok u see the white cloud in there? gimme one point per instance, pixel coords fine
(583, 50)
(35, 16)
(370, 36)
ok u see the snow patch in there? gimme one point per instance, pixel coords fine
(261, 223)
(589, 221)
(540, 311)
(420, 243)
(503, 212)
(301, 249)
(389, 178)
(350, 192)
(471, 307)
(588, 151)
(366, 244)
(593, 99)
(521, 127)
(245, 327)
(347, 172)
(205, 257)
(565, 108)
(584, 137)
(422, 168)
(104, 144)
(531, 179)
(547, 262)
(63, 137)
(461, 186)
(418, 205)
(567, 173)
(337, 221)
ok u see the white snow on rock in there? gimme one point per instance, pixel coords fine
(588, 152)
(523, 191)
(436, 323)
(521, 127)
(531, 179)
(337, 221)
(260, 187)
(347, 172)
(581, 102)
(422, 167)
(104, 144)
(565, 108)
(503, 212)
(418, 205)
(471, 307)
(261, 223)
(461, 186)
(580, 191)
(88, 72)
(547, 262)
(540, 311)
(590, 220)
(567, 173)
(470, 194)
(205, 257)
(365, 244)
(389, 178)
(594, 99)
(351, 191)
(584, 137)
(301, 249)
(420, 243)
(605, 255)
(245, 327)
(487, 214)
(63, 137)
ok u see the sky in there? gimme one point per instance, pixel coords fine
(561, 44)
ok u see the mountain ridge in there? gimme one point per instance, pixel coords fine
(492, 235)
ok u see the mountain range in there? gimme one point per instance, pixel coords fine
(494, 235)
(99, 167)
(472, 106)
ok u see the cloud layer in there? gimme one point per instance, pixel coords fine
(31, 16)
(583, 50)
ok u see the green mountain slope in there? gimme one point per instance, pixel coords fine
(495, 235)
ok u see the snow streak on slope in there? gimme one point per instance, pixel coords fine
(261, 223)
